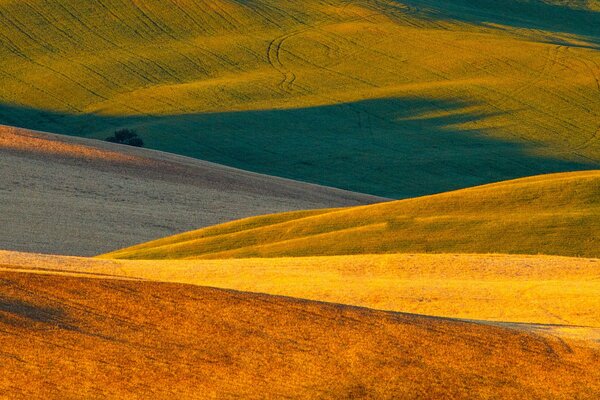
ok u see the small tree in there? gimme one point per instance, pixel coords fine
(126, 136)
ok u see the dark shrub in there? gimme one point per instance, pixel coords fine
(136, 141)
(126, 136)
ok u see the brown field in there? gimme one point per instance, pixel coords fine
(67, 337)
(77, 196)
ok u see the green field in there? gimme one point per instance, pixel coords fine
(550, 214)
(391, 98)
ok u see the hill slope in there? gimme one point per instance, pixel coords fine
(393, 98)
(560, 293)
(550, 214)
(77, 196)
(77, 337)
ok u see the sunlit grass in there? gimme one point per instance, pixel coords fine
(551, 214)
(501, 288)
(525, 75)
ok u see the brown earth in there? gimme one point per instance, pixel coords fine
(67, 337)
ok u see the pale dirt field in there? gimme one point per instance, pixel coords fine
(76, 196)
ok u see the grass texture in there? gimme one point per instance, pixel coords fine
(550, 214)
(392, 98)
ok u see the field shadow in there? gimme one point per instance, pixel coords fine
(397, 147)
(535, 14)
(19, 313)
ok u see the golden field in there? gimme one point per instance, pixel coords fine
(551, 214)
(541, 290)
(480, 325)
(427, 95)
(166, 323)
(284, 129)
(69, 337)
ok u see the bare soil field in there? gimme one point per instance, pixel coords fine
(67, 195)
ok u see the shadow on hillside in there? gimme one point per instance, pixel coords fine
(397, 148)
(533, 14)
(19, 313)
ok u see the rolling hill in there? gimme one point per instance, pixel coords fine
(112, 338)
(557, 294)
(549, 214)
(394, 98)
(279, 131)
(67, 195)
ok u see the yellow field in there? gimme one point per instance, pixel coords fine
(517, 289)
(434, 95)
(550, 214)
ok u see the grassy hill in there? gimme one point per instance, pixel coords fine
(549, 214)
(66, 195)
(111, 338)
(392, 98)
